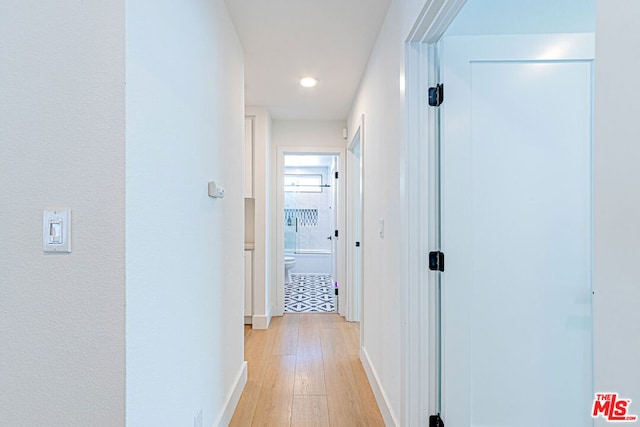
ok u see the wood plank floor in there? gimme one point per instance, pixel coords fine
(305, 371)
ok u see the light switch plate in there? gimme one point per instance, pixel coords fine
(56, 231)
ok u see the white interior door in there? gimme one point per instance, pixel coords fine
(334, 240)
(354, 237)
(517, 230)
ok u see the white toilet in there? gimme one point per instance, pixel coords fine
(289, 263)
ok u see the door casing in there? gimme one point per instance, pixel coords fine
(339, 270)
(420, 334)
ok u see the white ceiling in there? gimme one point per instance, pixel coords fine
(286, 39)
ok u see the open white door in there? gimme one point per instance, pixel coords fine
(336, 260)
(517, 230)
(354, 232)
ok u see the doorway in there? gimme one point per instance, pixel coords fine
(310, 216)
(510, 208)
(310, 196)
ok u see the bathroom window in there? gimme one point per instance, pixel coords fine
(303, 183)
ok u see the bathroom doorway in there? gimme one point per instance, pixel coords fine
(310, 199)
(310, 222)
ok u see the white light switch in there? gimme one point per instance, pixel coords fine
(56, 231)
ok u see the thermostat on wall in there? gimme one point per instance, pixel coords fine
(215, 190)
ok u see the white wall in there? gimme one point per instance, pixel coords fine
(304, 133)
(62, 355)
(263, 290)
(185, 127)
(616, 201)
(381, 101)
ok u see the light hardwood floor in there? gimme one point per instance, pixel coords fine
(304, 371)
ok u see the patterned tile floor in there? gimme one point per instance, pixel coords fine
(309, 293)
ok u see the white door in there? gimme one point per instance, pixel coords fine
(336, 239)
(354, 238)
(517, 230)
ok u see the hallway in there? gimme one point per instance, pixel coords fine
(305, 371)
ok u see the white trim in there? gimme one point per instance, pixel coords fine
(279, 261)
(419, 335)
(431, 206)
(390, 419)
(434, 19)
(416, 362)
(260, 321)
(311, 252)
(233, 398)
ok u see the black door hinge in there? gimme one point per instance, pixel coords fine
(435, 421)
(357, 244)
(336, 175)
(336, 233)
(436, 261)
(436, 95)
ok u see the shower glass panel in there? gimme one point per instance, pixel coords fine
(308, 213)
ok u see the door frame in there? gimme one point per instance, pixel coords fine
(339, 270)
(421, 214)
(355, 208)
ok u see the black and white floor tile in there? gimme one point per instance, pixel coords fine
(309, 293)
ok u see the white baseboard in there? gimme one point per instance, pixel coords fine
(260, 321)
(233, 398)
(383, 403)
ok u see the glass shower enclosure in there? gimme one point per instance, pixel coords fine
(309, 212)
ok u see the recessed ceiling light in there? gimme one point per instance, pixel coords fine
(308, 81)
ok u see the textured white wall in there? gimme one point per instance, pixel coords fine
(62, 127)
(617, 201)
(185, 127)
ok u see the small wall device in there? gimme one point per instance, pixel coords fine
(56, 231)
(215, 190)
